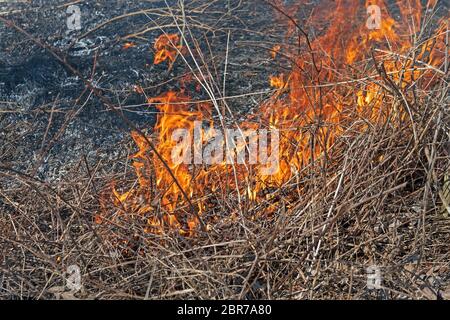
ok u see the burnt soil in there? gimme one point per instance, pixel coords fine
(33, 82)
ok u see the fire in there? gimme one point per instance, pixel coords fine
(275, 50)
(167, 47)
(310, 114)
(277, 82)
(128, 45)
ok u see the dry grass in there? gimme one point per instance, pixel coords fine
(378, 200)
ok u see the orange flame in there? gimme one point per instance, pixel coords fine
(167, 47)
(277, 82)
(276, 48)
(128, 45)
(309, 115)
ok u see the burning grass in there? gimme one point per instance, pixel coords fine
(362, 177)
